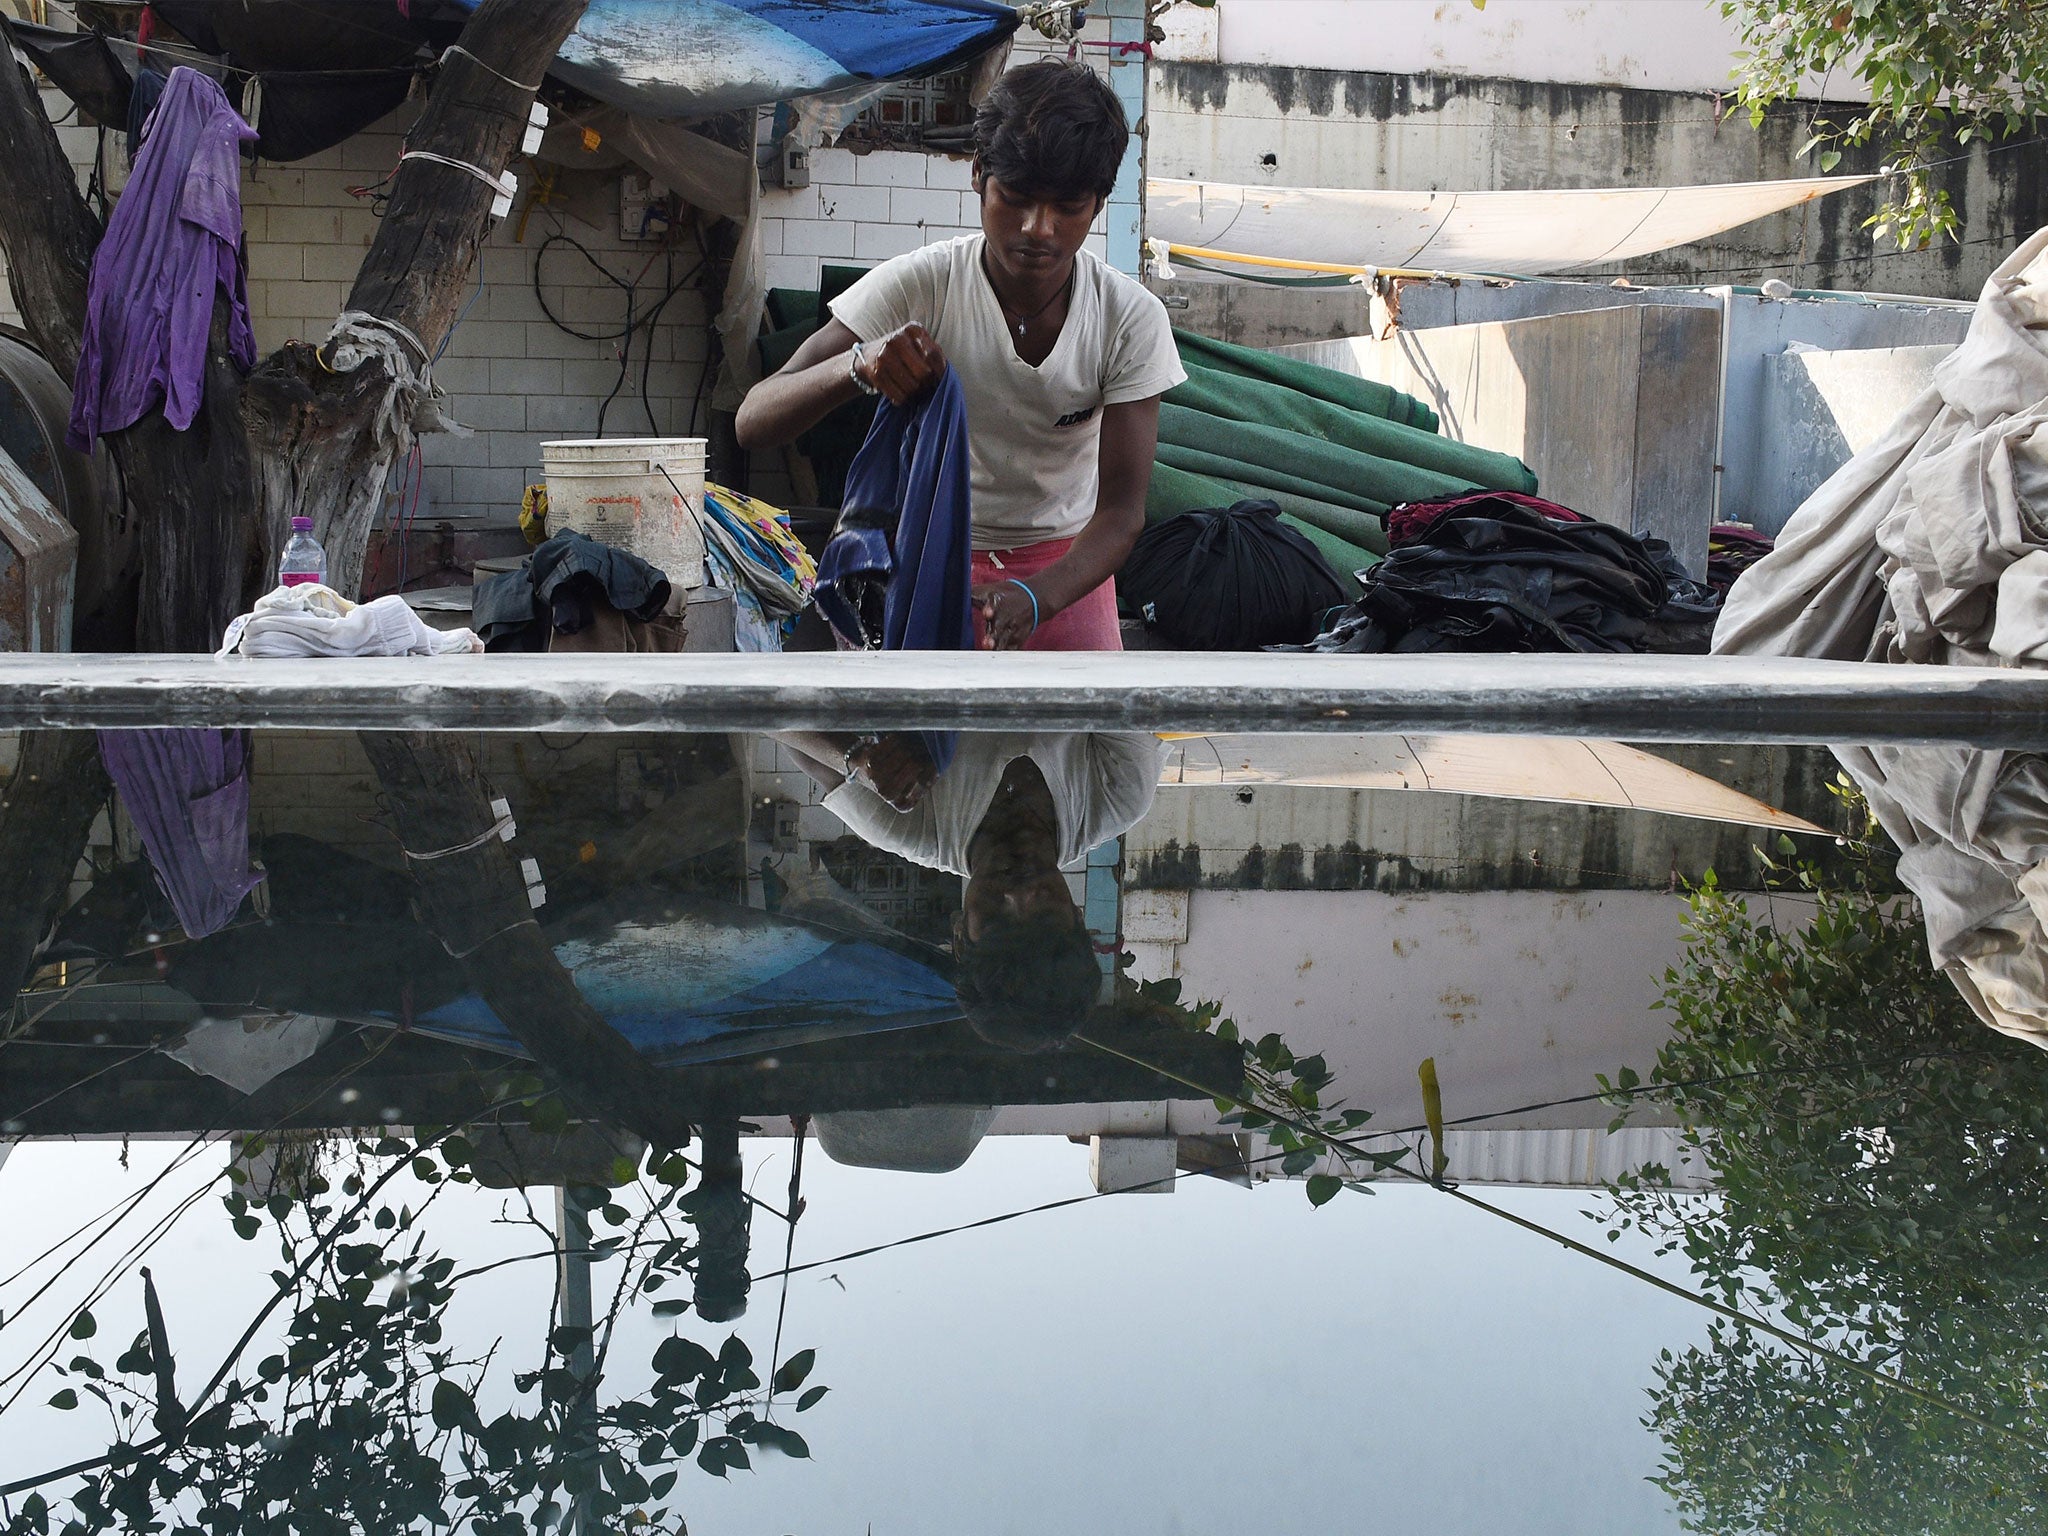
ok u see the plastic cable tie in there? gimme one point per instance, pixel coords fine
(464, 954)
(530, 869)
(505, 184)
(519, 85)
(501, 828)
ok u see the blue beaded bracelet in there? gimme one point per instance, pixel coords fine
(1013, 581)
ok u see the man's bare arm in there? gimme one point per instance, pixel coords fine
(818, 380)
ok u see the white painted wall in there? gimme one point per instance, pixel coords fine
(1667, 45)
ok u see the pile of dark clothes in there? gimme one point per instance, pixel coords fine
(1500, 571)
(573, 587)
(1733, 548)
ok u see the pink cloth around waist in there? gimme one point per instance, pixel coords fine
(1088, 625)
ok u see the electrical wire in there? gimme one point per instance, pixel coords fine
(637, 319)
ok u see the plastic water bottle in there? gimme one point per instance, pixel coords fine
(304, 560)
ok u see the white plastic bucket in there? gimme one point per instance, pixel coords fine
(642, 494)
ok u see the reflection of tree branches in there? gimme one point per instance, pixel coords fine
(364, 1387)
(45, 1352)
(1895, 1205)
(1288, 1111)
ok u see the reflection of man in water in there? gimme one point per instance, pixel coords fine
(1007, 813)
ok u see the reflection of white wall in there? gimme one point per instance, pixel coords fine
(1521, 996)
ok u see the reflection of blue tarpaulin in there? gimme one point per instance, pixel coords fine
(688, 58)
(719, 980)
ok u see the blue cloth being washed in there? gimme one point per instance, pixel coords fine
(904, 532)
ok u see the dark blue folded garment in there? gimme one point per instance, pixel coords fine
(897, 574)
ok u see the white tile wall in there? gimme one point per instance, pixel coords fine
(511, 374)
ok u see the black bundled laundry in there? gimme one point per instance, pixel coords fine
(1493, 573)
(557, 588)
(1228, 579)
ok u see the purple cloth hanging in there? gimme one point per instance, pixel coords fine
(174, 241)
(188, 794)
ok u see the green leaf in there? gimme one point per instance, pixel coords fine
(774, 1437)
(454, 1408)
(1323, 1187)
(811, 1398)
(550, 1117)
(792, 1372)
(83, 1326)
(66, 1400)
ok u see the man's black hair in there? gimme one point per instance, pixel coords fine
(1053, 130)
(1027, 985)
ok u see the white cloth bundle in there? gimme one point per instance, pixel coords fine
(1931, 545)
(312, 620)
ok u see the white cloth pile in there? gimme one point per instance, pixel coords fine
(1972, 830)
(1932, 546)
(312, 620)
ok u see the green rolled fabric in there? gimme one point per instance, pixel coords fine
(1346, 559)
(1235, 398)
(1175, 491)
(1361, 530)
(1221, 467)
(1381, 482)
(1342, 389)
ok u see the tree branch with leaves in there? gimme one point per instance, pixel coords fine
(1939, 74)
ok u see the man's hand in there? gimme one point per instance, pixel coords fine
(897, 768)
(1009, 617)
(903, 365)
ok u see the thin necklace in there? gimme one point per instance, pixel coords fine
(1008, 314)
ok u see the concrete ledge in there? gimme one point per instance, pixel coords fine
(1643, 698)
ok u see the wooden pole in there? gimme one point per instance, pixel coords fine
(473, 898)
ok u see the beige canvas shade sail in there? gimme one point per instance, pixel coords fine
(1511, 232)
(1552, 768)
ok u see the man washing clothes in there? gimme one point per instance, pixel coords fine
(1062, 360)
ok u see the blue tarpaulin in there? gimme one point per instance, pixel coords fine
(689, 58)
(711, 980)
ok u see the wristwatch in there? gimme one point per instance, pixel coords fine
(853, 367)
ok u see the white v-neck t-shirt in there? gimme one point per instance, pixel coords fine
(1102, 785)
(1034, 433)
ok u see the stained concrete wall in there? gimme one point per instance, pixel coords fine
(1337, 125)
(1760, 332)
(1614, 409)
(1820, 409)
(1677, 45)
(1280, 838)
